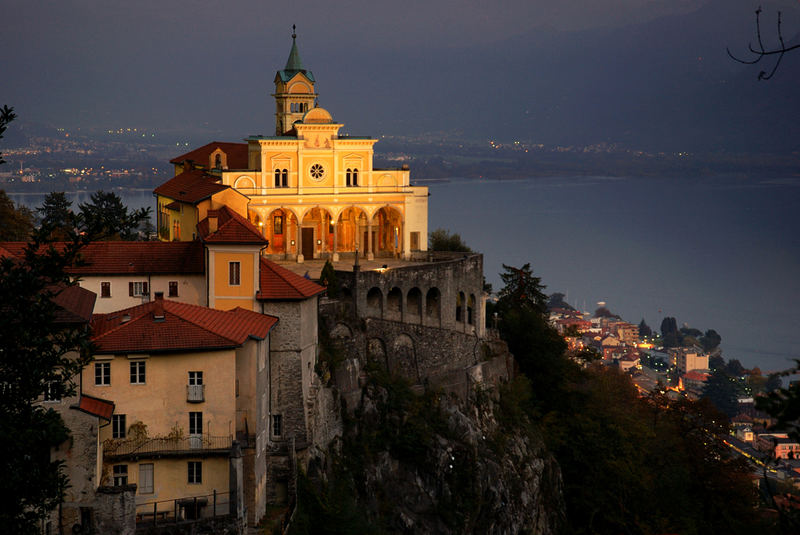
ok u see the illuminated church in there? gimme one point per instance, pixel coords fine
(310, 191)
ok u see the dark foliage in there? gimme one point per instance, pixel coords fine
(644, 329)
(722, 390)
(106, 218)
(16, 221)
(441, 240)
(329, 280)
(57, 221)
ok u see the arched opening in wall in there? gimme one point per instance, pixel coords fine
(351, 231)
(471, 309)
(394, 304)
(278, 228)
(388, 224)
(317, 239)
(403, 359)
(347, 294)
(414, 305)
(376, 352)
(257, 222)
(218, 161)
(460, 307)
(433, 313)
(341, 331)
(349, 177)
(375, 303)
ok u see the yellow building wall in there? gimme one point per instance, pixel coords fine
(171, 481)
(225, 296)
(161, 402)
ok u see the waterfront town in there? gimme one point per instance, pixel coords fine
(686, 371)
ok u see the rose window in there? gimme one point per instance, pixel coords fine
(317, 171)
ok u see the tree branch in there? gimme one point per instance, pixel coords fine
(761, 52)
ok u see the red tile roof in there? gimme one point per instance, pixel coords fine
(101, 408)
(74, 305)
(142, 258)
(236, 154)
(231, 228)
(190, 187)
(278, 283)
(168, 326)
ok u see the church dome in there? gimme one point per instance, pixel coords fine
(317, 116)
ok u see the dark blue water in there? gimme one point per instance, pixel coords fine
(719, 254)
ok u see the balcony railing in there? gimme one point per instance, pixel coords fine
(193, 445)
(195, 393)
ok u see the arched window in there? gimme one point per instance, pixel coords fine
(460, 307)
(285, 178)
(277, 178)
(218, 161)
(471, 309)
(349, 176)
(355, 177)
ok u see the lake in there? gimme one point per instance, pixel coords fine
(718, 254)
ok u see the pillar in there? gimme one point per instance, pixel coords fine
(335, 257)
(299, 242)
(370, 256)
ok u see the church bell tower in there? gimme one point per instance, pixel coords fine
(294, 91)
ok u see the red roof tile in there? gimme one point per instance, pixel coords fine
(98, 407)
(278, 283)
(129, 257)
(74, 305)
(168, 326)
(236, 154)
(190, 187)
(231, 228)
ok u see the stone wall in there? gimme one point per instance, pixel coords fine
(115, 510)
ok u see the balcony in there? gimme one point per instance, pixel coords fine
(195, 445)
(195, 393)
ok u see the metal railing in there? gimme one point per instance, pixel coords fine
(183, 510)
(167, 445)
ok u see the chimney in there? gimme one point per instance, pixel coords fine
(212, 221)
(187, 165)
(158, 309)
(159, 295)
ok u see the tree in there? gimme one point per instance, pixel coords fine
(735, 368)
(329, 280)
(773, 383)
(761, 52)
(105, 217)
(6, 116)
(557, 301)
(669, 332)
(57, 220)
(603, 312)
(644, 329)
(39, 354)
(710, 340)
(16, 221)
(522, 289)
(441, 240)
(723, 391)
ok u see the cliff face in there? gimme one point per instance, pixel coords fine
(421, 461)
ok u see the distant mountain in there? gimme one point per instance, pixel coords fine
(666, 84)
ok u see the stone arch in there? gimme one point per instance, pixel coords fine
(352, 228)
(244, 182)
(394, 304)
(376, 352)
(375, 302)
(387, 181)
(320, 219)
(341, 331)
(403, 360)
(471, 309)
(414, 305)
(387, 224)
(460, 307)
(433, 307)
(280, 229)
(299, 87)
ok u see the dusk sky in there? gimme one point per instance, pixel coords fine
(183, 65)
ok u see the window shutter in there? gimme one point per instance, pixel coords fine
(144, 289)
(130, 289)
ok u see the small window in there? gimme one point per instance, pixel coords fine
(195, 472)
(195, 423)
(138, 372)
(195, 378)
(349, 177)
(138, 289)
(102, 373)
(284, 178)
(355, 177)
(118, 427)
(277, 178)
(277, 424)
(145, 478)
(173, 289)
(120, 475)
(105, 289)
(234, 273)
(52, 391)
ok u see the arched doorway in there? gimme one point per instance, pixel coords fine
(351, 231)
(387, 224)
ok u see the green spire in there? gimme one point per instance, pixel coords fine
(294, 63)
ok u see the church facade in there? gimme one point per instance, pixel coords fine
(310, 191)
